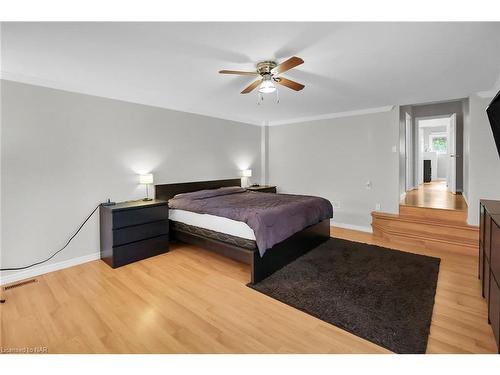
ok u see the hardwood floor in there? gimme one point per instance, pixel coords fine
(434, 195)
(193, 301)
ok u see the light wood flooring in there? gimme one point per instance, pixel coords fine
(434, 195)
(193, 301)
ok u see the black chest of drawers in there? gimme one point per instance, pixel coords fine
(489, 261)
(131, 231)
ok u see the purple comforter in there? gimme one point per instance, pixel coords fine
(273, 217)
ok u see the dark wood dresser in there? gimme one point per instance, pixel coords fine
(489, 261)
(131, 231)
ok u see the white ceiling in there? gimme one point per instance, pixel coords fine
(348, 66)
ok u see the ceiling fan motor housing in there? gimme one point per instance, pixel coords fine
(265, 67)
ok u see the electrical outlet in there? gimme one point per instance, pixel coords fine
(336, 204)
(378, 206)
(368, 184)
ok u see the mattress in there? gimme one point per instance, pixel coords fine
(214, 223)
(272, 217)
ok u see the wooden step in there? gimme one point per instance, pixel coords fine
(431, 229)
(438, 230)
(419, 244)
(435, 214)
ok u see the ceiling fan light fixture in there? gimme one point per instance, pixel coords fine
(267, 85)
(267, 72)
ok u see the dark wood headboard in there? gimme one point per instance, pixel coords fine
(167, 191)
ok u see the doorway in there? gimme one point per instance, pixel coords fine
(431, 157)
(436, 153)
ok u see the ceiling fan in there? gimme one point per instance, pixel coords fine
(268, 72)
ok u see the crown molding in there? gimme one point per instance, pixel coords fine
(79, 89)
(37, 81)
(490, 93)
(358, 112)
(487, 94)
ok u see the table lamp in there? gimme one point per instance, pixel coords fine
(246, 173)
(146, 179)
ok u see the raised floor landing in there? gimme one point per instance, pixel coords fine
(434, 195)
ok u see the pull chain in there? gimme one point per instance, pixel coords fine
(260, 98)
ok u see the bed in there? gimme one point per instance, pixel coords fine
(234, 238)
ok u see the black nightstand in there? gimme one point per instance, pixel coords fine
(131, 231)
(263, 188)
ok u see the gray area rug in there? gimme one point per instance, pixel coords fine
(382, 295)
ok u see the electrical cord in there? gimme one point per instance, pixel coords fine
(58, 251)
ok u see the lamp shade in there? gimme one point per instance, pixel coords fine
(267, 87)
(246, 173)
(146, 178)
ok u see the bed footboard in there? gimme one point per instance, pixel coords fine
(288, 250)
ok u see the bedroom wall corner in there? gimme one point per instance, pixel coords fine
(264, 153)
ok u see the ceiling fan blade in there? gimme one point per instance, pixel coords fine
(292, 62)
(290, 84)
(252, 86)
(238, 72)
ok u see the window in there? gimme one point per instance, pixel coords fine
(439, 143)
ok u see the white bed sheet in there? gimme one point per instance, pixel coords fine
(212, 222)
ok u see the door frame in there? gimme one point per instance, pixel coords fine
(409, 180)
(419, 175)
(451, 179)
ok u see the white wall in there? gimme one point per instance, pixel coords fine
(62, 153)
(484, 163)
(1, 116)
(264, 153)
(334, 158)
(1, 179)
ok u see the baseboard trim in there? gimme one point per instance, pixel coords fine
(42, 269)
(465, 198)
(351, 226)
